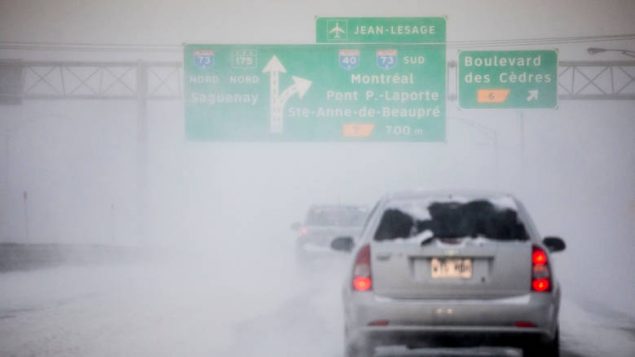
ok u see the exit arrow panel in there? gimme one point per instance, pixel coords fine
(508, 79)
(315, 92)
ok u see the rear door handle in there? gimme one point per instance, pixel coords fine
(383, 256)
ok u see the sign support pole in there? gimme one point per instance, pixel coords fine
(521, 133)
(142, 148)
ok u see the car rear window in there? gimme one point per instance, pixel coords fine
(450, 219)
(336, 216)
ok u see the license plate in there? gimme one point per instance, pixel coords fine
(451, 268)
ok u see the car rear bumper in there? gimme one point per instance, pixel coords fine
(384, 320)
(448, 336)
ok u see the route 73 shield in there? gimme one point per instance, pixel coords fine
(386, 59)
(349, 59)
(203, 58)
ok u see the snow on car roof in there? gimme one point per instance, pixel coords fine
(421, 205)
(499, 199)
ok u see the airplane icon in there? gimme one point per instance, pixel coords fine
(337, 30)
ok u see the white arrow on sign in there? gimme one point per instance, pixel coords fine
(300, 86)
(277, 101)
(533, 95)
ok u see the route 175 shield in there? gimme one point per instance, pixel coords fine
(386, 59)
(349, 59)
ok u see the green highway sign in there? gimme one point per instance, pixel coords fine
(380, 30)
(508, 79)
(315, 92)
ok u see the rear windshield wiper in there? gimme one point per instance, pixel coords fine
(444, 239)
(428, 240)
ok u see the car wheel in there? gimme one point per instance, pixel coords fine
(355, 350)
(358, 348)
(550, 348)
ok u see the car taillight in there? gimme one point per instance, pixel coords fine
(540, 273)
(541, 285)
(362, 279)
(538, 256)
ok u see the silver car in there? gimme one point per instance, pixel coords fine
(322, 224)
(459, 269)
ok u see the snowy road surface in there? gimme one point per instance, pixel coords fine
(221, 307)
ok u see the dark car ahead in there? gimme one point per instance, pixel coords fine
(455, 268)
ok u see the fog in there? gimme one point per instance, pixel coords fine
(120, 236)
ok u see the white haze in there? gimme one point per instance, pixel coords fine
(208, 224)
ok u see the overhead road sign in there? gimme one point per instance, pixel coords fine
(315, 92)
(508, 79)
(380, 30)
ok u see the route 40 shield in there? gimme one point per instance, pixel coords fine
(349, 59)
(386, 59)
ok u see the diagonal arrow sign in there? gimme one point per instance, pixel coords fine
(300, 86)
(533, 95)
(277, 101)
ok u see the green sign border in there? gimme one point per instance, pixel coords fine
(515, 79)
